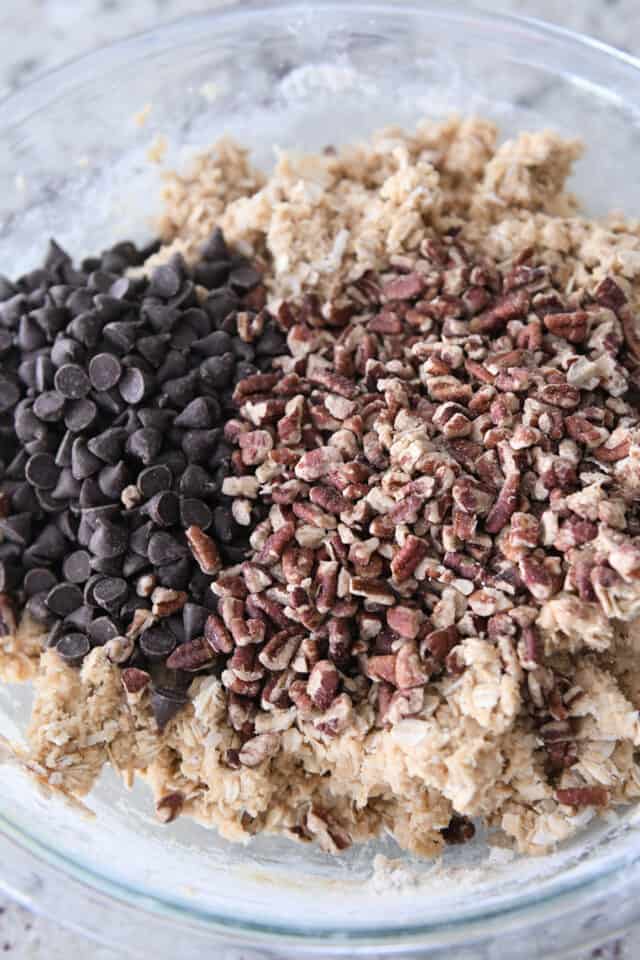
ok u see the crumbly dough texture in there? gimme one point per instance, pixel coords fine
(319, 222)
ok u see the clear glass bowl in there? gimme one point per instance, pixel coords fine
(73, 164)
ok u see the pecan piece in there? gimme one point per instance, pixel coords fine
(204, 550)
(279, 651)
(439, 643)
(323, 684)
(405, 621)
(594, 796)
(275, 544)
(165, 602)
(331, 836)
(217, 635)
(571, 326)
(409, 669)
(191, 656)
(382, 667)
(337, 717)
(170, 807)
(505, 506)
(134, 680)
(408, 557)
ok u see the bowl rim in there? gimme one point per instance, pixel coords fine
(90, 887)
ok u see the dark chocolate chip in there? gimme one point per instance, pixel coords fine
(195, 513)
(17, 528)
(72, 381)
(134, 385)
(157, 642)
(38, 580)
(194, 618)
(73, 648)
(9, 394)
(154, 348)
(91, 495)
(64, 598)
(218, 371)
(37, 607)
(49, 545)
(175, 575)
(30, 335)
(109, 445)
(77, 567)
(139, 540)
(65, 350)
(101, 630)
(110, 592)
(83, 463)
(165, 282)
(133, 563)
(42, 471)
(201, 414)
(163, 509)
(211, 274)
(163, 549)
(109, 540)
(215, 248)
(198, 445)
(166, 703)
(113, 479)
(63, 453)
(105, 371)
(81, 618)
(49, 406)
(80, 414)
(154, 480)
(67, 487)
(145, 444)
(244, 278)
(195, 481)
(121, 334)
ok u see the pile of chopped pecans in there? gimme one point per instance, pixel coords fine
(447, 448)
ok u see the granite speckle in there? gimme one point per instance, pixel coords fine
(68, 28)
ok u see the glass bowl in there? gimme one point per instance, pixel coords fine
(73, 164)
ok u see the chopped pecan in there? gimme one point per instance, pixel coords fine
(192, 655)
(135, 680)
(280, 649)
(204, 550)
(323, 684)
(165, 602)
(217, 635)
(170, 807)
(594, 796)
(405, 561)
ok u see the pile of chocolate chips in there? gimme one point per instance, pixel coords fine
(114, 391)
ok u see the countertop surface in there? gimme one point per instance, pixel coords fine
(69, 28)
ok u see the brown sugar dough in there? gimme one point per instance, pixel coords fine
(317, 223)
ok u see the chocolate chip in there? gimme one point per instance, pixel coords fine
(90, 494)
(201, 414)
(17, 528)
(37, 607)
(165, 282)
(49, 545)
(83, 463)
(161, 420)
(38, 580)
(215, 248)
(80, 619)
(101, 630)
(110, 592)
(49, 406)
(121, 334)
(134, 385)
(109, 445)
(108, 540)
(105, 371)
(63, 453)
(199, 445)
(175, 575)
(77, 566)
(113, 479)
(67, 486)
(139, 540)
(72, 382)
(214, 345)
(157, 642)
(166, 703)
(73, 647)
(163, 509)
(195, 513)
(154, 480)
(163, 549)
(194, 618)
(154, 348)
(80, 415)
(42, 471)
(218, 371)
(133, 563)
(244, 278)
(64, 598)
(145, 444)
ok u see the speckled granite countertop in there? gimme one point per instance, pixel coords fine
(68, 28)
